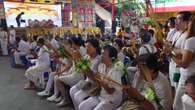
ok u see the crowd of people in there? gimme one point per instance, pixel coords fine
(124, 74)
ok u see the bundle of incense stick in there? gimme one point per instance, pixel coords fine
(100, 77)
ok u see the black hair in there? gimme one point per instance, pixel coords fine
(112, 52)
(152, 62)
(77, 41)
(186, 15)
(18, 39)
(35, 37)
(171, 20)
(145, 36)
(191, 80)
(95, 43)
(12, 26)
(119, 42)
(151, 31)
(41, 41)
(69, 41)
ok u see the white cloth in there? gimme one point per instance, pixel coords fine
(150, 47)
(185, 74)
(188, 103)
(12, 36)
(4, 42)
(55, 43)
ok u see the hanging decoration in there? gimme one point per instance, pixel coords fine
(67, 14)
(86, 16)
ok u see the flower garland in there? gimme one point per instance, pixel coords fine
(83, 65)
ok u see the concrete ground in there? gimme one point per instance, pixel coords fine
(12, 94)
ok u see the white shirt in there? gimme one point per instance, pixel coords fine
(190, 46)
(116, 76)
(23, 47)
(94, 65)
(55, 43)
(163, 91)
(43, 57)
(180, 42)
(33, 45)
(144, 47)
(12, 36)
(170, 34)
(95, 62)
(162, 88)
(188, 103)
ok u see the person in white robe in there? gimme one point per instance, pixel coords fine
(42, 64)
(54, 43)
(183, 57)
(4, 42)
(12, 36)
(66, 81)
(23, 49)
(110, 96)
(160, 82)
(172, 29)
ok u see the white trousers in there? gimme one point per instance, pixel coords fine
(95, 103)
(74, 90)
(71, 79)
(79, 97)
(35, 73)
(50, 82)
(17, 57)
(102, 103)
(179, 93)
